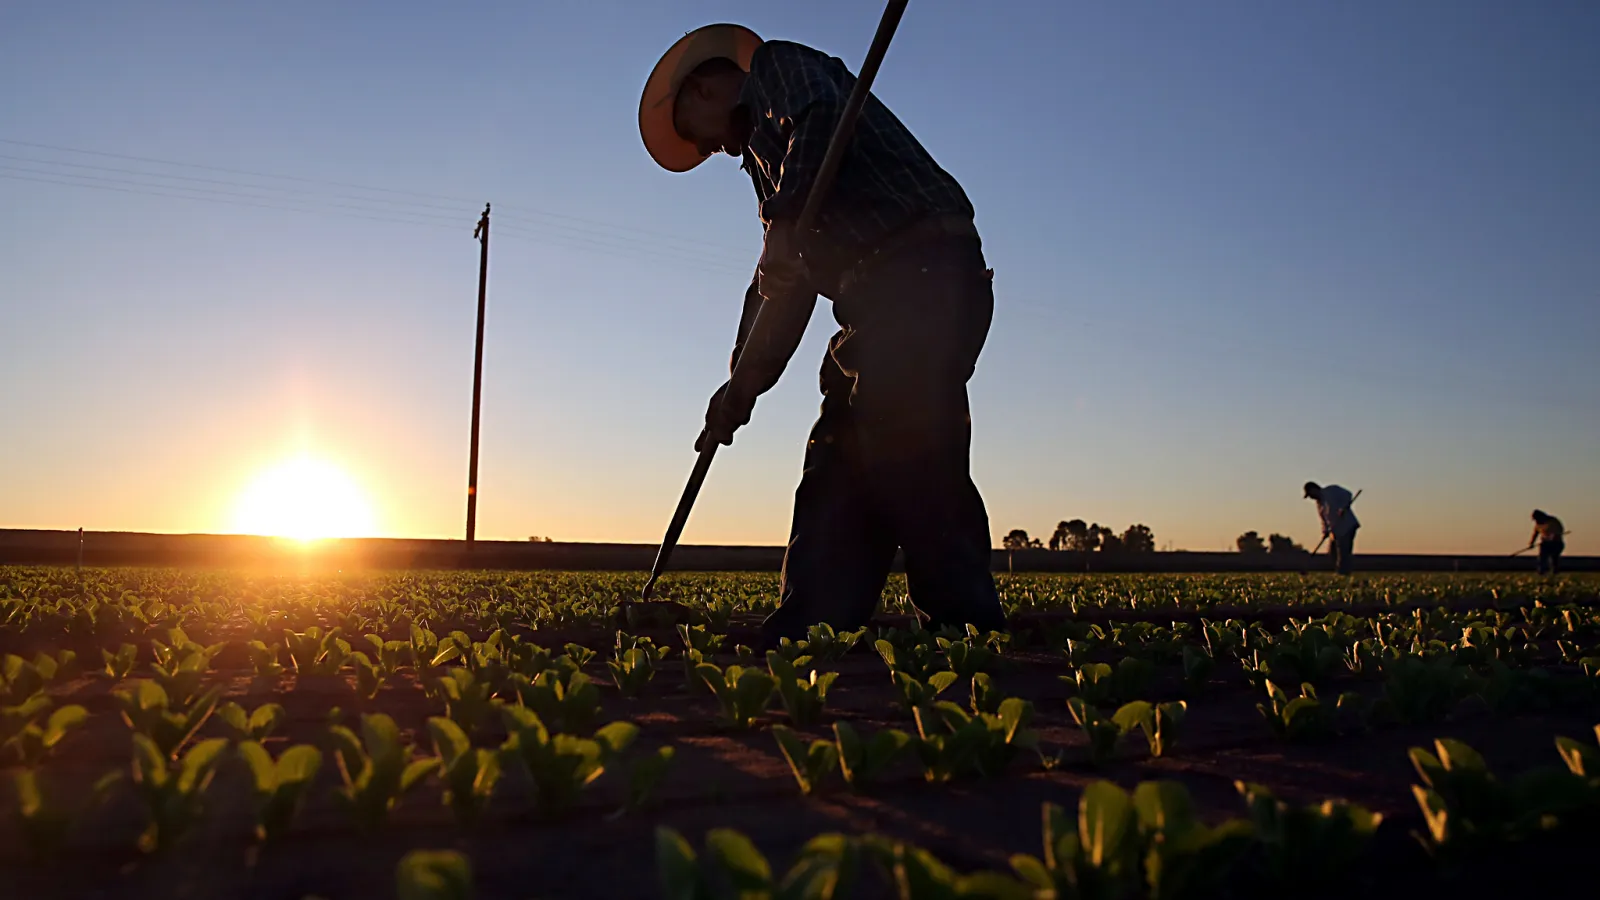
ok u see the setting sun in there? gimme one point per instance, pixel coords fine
(304, 498)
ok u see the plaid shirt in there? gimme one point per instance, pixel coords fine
(886, 181)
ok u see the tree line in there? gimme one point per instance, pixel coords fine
(1083, 537)
(1250, 542)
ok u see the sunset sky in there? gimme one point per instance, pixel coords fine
(1238, 245)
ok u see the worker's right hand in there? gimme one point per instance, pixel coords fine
(724, 416)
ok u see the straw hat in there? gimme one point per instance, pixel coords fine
(666, 147)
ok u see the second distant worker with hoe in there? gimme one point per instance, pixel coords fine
(1549, 534)
(1339, 522)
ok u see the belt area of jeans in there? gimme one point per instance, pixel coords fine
(917, 232)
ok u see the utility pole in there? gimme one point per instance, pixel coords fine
(482, 235)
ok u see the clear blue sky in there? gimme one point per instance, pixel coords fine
(1238, 245)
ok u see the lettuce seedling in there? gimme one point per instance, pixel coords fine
(264, 659)
(645, 774)
(20, 680)
(1077, 651)
(699, 639)
(1094, 683)
(466, 698)
(810, 764)
(469, 773)
(921, 874)
(742, 693)
(1197, 667)
(433, 875)
(1308, 656)
(826, 868)
(1095, 858)
(120, 665)
(1303, 718)
(790, 650)
(147, 710)
(1132, 678)
(966, 659)
(173, 791)
(915, 694)
(1160, 723)
(1150, 839)
(387, 656)
(569, 705)
(633, 669)
(1581, 760)
(278, 786)
(1420, 692)
(315, 652)
(985, 697)
(369, 678)
(43, 817)
(1302, 845)
(561, 765)
(1182, 856)
(376, 768)
(424, 647)
(803, 698)
(181, 679)
(916, 660)
(252, 726)
(691, 679)
(862, 762)
(1103, 733)
(828, 645)
(579, 654)
(26, 740)
(951, 743)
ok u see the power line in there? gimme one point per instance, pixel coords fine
(454, 210)
(214, 192)
(542, 234)
(224, 201)
(189, 165)
(525, 214)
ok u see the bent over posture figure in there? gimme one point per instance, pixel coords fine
(1339, 522)
(1550, 535)
(894, 247)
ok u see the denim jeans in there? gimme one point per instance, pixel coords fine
(887, 465)
(1550, 556)
(1343, 549)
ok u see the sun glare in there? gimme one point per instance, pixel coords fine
(304, 498)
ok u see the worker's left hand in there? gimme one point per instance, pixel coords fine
(782, 273)
(728, 411)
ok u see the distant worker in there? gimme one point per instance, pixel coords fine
(894, 247)
(1339, 522)
(1548, 534)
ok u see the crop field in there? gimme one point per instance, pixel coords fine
(172, 733)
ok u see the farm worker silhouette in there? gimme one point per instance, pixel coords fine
(1339, 522)
(887, 464)
(1547, 532)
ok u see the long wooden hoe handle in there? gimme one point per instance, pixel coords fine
(808, 214)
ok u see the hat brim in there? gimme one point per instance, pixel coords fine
(661, 139)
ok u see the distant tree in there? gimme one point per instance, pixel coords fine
(1077, 536)
(1099, 537)
(1139, 539)
(1018, 539)
(540, 540)
(1251, 542)
(1282, 543)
